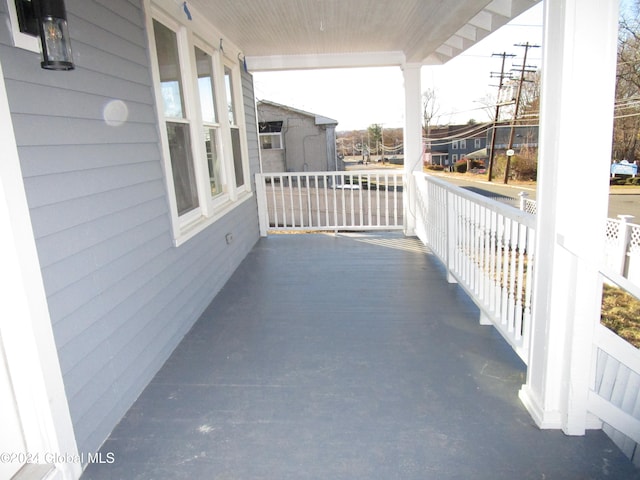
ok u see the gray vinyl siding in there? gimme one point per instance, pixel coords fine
(120, 295)
(251, 124)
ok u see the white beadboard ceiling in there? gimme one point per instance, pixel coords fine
(291, 34)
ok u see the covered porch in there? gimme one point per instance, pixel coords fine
(344, 356)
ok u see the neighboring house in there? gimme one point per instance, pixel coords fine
(524, 136)
(293, 140)
(448, 144)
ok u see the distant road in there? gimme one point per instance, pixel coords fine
(622, 201)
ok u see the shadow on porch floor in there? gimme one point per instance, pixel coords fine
(344, 357)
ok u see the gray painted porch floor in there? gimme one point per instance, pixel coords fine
(344, 357)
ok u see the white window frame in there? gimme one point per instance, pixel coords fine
(463, 144)
(454, 145)
(20, 39)
(190, 34)
(238, 103)
(223, 197)
(277, 135)
(273, 135)
(454, 158)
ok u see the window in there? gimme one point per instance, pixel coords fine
(454, 157)
(211, 128)
(270, 135)
(201, 115)
(177, 125)
(454, 145)
(478, 143)
(233, 125)
(463, 144)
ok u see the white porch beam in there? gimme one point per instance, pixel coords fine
(412, 140)
(338, 60)
(578, 79)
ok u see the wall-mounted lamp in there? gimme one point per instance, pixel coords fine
(54, 35)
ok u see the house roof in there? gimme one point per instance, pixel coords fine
(319, 119)
(295, 34)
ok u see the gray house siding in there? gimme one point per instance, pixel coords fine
(251, 124)
(307, 145)
(120, 295)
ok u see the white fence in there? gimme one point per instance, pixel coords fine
(487, 247)
(362, 200)
(622, 244)
(622, 248)
(615, 394)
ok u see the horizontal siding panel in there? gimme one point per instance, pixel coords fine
(51, 189)
(56, 221)
(89, 35)
(66, 301)
(27, 99)
(124, 8)
(139, 321)
(52, 159)
(25, 66)
(251, 123)
(65, 131)
(127, 23)
(86, 262)
(87, 321)
(97, 60)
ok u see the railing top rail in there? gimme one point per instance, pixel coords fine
(520, 216)
(341, 172)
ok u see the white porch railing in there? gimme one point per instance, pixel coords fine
(303, 201)
(487, 247)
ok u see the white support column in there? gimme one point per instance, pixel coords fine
(412, 141)
(578, 78)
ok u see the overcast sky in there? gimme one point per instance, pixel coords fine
(356, 98)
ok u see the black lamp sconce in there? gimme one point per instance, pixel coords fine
(48, 20)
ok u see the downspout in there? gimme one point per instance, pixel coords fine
(305, 165)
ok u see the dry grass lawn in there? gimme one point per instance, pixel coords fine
(621, 314)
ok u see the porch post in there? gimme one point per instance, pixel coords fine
(578, 79)
(412, 142)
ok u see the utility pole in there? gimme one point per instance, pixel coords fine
(524, 68)
(501, 76)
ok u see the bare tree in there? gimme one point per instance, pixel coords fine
(430, 109)
(626, 131)
(530, 100)
(488, 103)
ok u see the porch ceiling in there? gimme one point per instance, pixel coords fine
(294, 34)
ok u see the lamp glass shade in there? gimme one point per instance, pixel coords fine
(56, 47)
